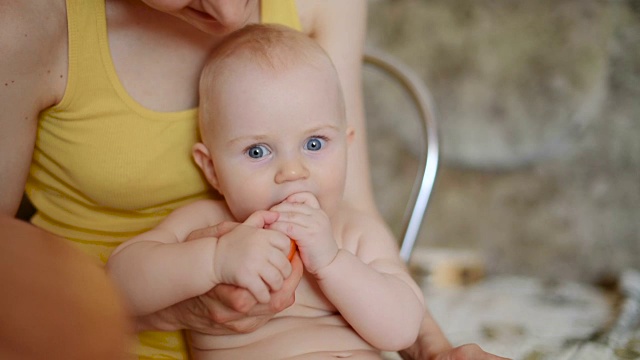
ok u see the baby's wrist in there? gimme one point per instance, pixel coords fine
(214, 263)
(328, 270)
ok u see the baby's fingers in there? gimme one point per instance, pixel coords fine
(284, 207)
(282, 263)
(259, 289)
(306, 198)
(260, 219)
(289, 228)
(273, 278)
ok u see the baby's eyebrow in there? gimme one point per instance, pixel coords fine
(324, 127)
(248, 138)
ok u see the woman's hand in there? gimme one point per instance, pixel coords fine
(236, 310)
(431, 344)
(462, 352)
(225, 309)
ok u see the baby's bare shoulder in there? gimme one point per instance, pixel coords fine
(214, 211)
(352, 218)
(353, 227)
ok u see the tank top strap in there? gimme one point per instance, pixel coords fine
(283, 12)
(85, 20)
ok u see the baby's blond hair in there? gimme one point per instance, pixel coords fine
(272, 47)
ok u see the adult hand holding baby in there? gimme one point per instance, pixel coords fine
(226, 308)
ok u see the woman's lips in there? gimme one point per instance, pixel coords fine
(213, 23)
(201, 15)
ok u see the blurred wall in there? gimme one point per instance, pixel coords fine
(539, 112)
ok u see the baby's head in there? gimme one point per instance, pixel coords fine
(272, 120)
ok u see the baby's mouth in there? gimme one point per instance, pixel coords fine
(285, 198)
(278, 202)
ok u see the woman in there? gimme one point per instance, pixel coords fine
(98, 118)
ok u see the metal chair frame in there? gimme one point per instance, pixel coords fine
(428, 168)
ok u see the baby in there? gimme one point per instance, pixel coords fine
(277, 152)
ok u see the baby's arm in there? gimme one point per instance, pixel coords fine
(159, 268)
(371, 289)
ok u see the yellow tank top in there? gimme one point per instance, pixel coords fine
(105, 168)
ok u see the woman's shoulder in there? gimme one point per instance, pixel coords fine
(34, 34)
(316, 16)
(354, 225)
(32, 22)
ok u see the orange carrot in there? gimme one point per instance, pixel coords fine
(294, 247)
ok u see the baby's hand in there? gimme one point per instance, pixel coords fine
(302, 219)
(252, 257)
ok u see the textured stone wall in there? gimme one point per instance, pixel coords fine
(539, 112)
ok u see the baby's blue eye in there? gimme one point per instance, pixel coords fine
(314, 144)
(258, 151)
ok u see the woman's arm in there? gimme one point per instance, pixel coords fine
(33, 40)
(56, 300)
(431, 341)
(433, 345)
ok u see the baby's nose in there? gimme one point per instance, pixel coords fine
(291, 170)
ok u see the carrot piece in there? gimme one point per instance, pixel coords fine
(294, 247)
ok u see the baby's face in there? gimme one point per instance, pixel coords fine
(277, 133)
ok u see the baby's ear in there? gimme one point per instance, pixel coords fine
(202, 157)
(351, 134)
